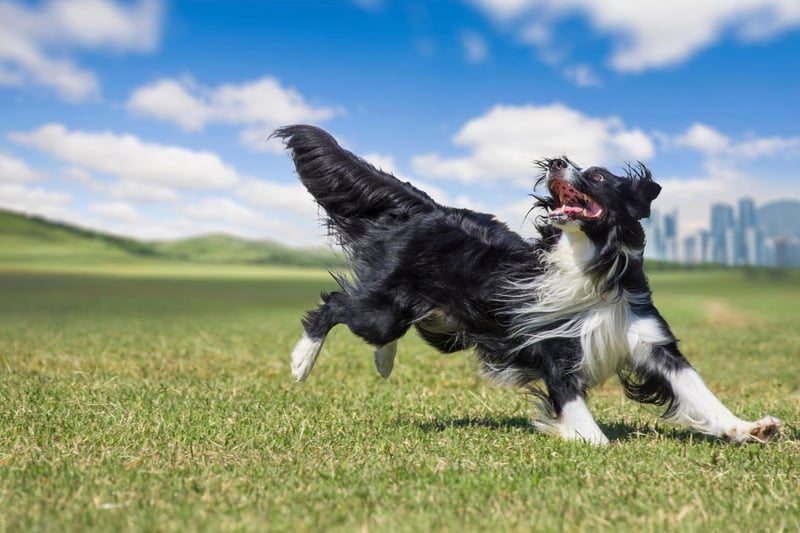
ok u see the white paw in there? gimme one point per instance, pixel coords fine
(304, 355)
(384, 358)
(762, 430)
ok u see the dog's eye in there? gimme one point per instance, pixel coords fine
(598, 177)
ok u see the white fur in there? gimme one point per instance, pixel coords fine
(384, 358)
(702, 411)
(564, 292)
(643, 334)
(304, 355)
(575, 423)
(604, 342)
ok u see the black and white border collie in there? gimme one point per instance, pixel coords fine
(569, 309)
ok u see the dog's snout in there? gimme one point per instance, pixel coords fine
(557, 164)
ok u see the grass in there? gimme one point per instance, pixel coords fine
(161, 402)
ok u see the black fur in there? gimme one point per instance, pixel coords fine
(448, 271)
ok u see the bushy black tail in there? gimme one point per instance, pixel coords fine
(354, 194)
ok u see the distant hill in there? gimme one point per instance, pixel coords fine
(220, 248)
(780, 219)
(32, 238)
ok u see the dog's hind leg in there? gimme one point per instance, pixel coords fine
(376, 322)
(304, 356)
(384, 358)
(316, 324)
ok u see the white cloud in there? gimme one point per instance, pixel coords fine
(261, 105)
(503, 142)
(387, 163)
(33, 199)
(656, 34)
(582, 76)
(34, 40)
(221, 208)
(16, 170)
(221, 214)
(269, 195)
(704, 139)
(135, 191)
(475, 48)
(129, 158)
(712, 143)
(118, 211)
(383, 162)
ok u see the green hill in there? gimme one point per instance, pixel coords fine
(26, 239)
(219, 248)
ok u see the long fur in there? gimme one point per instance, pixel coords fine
(568, 310)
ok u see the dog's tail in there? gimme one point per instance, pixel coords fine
(354, 194)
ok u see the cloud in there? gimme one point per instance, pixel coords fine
(503, 143)
(222, 214)
(582, 76)
(33, 199)
(703, 138)
(261, 105)
(15, 170)
(118, 211)
(648, 35)
(475, 48)
(129, 158)
(712, 143)
(270, 195)
(120, 171)
(34, 40)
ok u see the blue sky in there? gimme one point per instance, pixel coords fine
(151, 118)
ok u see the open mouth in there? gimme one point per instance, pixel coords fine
(572, 204)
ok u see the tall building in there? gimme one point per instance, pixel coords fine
(691, 250)
(723, 234)
(706, 246)
(748, 239)
(671, 236)
(654, 236)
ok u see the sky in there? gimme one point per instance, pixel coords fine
(152, 119)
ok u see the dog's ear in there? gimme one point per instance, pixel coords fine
(645, 191)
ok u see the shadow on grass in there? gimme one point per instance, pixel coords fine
(507, 422)
(615, 431)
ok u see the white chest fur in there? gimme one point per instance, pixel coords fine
(603, 322)
(604, 341)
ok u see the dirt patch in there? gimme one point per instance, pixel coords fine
(720, 314)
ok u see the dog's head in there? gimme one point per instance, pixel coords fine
(593, 199)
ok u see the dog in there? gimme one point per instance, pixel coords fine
(566, 310)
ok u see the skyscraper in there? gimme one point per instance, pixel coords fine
(748, 239)
(723, 234)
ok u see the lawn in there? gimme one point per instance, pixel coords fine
(148, 400)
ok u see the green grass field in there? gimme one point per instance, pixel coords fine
(139, 397)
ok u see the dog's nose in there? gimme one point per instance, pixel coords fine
(557, 164)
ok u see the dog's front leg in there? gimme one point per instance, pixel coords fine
(699, 408)
(573, 421)
(663, 376)
(565, 412)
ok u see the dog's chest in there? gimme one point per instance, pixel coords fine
(604, 341)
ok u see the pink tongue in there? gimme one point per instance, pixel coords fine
(572, 209)
(594, 209)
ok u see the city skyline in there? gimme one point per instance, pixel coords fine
(733, 237)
